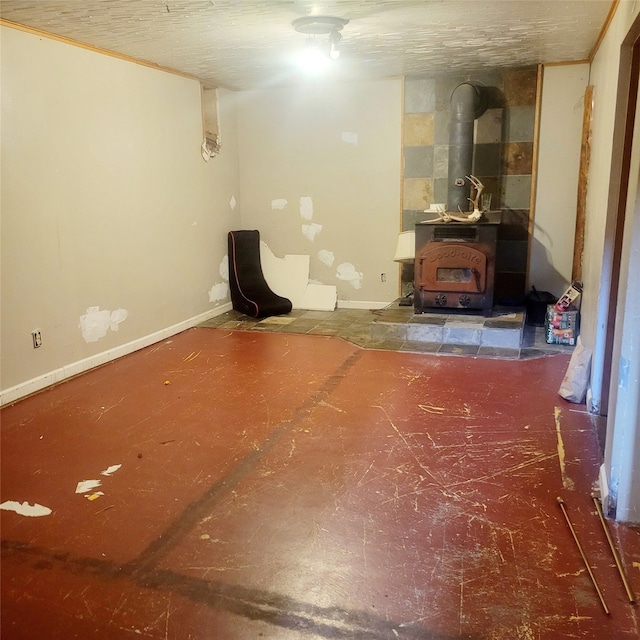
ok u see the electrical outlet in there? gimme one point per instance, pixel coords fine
(383, 277)
(37, 338)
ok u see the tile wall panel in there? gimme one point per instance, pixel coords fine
(503, 159)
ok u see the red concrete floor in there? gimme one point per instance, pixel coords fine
(293, 487)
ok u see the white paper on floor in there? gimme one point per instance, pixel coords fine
(87, 485)
(25, 509)
(109, 470)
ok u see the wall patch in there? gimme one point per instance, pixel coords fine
(306, 208)
(326, 257)
(218, 292)
(347, 272)
(350, 138)
(310, 231)
(95, 323)
(279, 203)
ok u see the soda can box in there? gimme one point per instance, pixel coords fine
(569, 297)
(561, 327)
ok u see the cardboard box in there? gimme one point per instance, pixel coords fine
(562, 327)
(569, 297)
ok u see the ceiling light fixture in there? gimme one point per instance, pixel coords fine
(314, 26)
(334, 40)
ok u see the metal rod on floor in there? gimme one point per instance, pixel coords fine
(584, 558)
(616, 557)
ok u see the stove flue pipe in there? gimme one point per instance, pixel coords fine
(468, 102)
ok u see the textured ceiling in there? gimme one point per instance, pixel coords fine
(244, 44)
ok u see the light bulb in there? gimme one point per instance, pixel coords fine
(311, 58)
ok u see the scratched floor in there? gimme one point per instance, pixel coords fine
(298, 487)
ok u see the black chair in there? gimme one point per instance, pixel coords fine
(250, 293)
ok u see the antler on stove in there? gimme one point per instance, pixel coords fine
(479, 189)
(471, 217)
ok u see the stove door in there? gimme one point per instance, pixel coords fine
(451, 267)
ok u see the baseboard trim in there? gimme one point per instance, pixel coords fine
(603, 486)
(356, 304)
(45, 380)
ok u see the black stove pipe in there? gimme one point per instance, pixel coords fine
(468, 102)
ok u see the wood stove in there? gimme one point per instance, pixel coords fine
(454, 266)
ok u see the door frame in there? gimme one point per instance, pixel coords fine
(628, 78)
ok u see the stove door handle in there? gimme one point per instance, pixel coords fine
(476, 274)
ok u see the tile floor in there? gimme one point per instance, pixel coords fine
(291, 487)
(503, 335)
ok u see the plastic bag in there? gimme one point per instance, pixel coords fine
(576, 379)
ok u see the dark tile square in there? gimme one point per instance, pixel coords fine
(419, 95)
(421, 347)
(499, 352)
(459, 349)
(440, 189)
(487, 159)
(517, 158)
(503, 324)
(300, 325)
(418, 162)
(516, 191)
(520, 86)
(410, 217)
(429, 318)
(441, 128)
(520, 124)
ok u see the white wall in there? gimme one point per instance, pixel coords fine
(620, 474)
(622, 449)
(106, 203)
(560, 140)
(114, 228)
(604, 78)
(339, 145)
